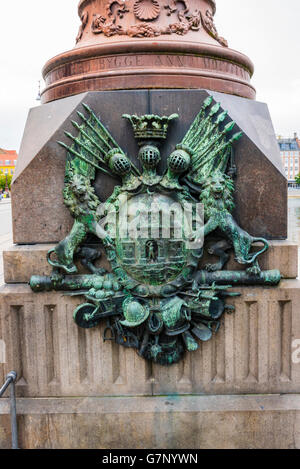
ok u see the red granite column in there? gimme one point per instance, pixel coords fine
(147, 44)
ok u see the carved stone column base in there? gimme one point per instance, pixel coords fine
(101, 68)
(141, 44)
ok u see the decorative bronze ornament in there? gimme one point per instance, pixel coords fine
(172, 6)
(155, 298)
(146, 10)
(120, 8)
(209, 26)
(84, 21)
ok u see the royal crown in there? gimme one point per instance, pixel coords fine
(150, 126)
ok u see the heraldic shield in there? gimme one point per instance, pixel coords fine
(155, 297)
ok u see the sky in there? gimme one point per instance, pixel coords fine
(33, 31)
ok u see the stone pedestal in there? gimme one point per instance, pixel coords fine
(240, 390)
(39, 214)
(168, 422)
(251, 354)
(23, 261)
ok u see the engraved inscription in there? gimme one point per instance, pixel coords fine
(148, 61)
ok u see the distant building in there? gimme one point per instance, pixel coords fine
(290, 154)
(8, 162)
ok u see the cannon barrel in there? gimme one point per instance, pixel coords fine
(68, 283)
(226, 277)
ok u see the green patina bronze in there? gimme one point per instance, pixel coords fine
(155, 299)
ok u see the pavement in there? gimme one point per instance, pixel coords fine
(5, 231)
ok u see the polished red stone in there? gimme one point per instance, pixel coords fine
(148, 44)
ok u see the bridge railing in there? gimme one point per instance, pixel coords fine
(10, 383)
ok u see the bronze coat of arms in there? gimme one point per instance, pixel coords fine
(155, 298)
